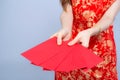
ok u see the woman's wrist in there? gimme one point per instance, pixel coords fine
(67, 28)
(94, 30)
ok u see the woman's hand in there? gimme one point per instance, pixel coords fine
(82, 37)
(63, 34)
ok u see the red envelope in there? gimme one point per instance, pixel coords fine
(65, 58)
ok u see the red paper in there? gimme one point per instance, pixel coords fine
(55, 57)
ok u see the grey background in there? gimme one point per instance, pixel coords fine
(24, 24)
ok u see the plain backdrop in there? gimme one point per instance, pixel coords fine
(24, 24)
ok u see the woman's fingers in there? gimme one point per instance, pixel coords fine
(67, 37)
(59, 39)
(85, 42)
(75, 40)
(62, 34)
(80, 38)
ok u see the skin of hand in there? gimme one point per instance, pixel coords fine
(82, 37)
(63, 34)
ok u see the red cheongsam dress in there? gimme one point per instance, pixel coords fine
(86, 13)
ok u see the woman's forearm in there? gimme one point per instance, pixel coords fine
(107, 19)
(67, 18)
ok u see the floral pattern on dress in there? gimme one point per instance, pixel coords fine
(86, 13)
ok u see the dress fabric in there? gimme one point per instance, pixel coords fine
(86, 13)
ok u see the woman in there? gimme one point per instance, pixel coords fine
(89, 22)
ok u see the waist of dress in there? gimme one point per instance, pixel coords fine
(83, 24)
